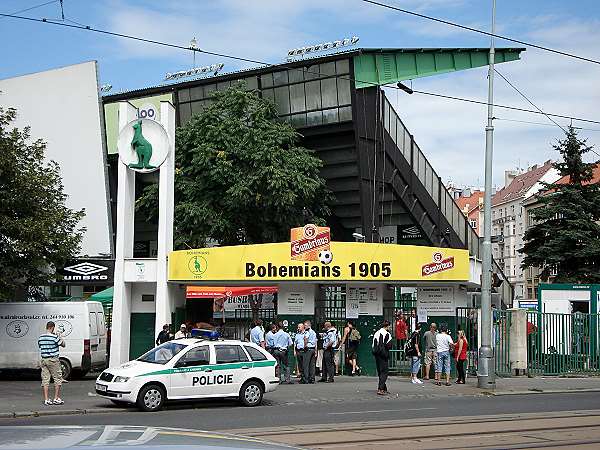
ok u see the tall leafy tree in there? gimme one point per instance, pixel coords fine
(566, 234)
(241, 176)
(37, 231)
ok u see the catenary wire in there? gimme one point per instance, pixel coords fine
(34, 7)
(538, 108)
(243, 59)
(529, 101)
(476, 30)
(504, 119)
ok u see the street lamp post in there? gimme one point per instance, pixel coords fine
(486, 376)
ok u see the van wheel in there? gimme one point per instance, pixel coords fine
(251, 393)
(65, 368)
(151, 398)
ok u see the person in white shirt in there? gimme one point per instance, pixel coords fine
(182, 333)
(444, 342)
(382, 342)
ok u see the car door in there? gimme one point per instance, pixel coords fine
(190, 374)
(232, 367)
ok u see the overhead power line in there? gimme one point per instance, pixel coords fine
(476, 30)
(35, 7)
(254, 61)
(504, 119)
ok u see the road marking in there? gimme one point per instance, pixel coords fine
(377, 411)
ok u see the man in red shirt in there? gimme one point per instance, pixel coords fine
(401, 329)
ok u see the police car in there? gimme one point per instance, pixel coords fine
(191, 368)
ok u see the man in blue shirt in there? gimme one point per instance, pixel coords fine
(300, 350)
(330, 343)
(257, 335)
(281, 343)
(49, 344)
(310, 340)
(269, 341)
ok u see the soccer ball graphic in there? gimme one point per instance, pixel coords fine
(325, 256)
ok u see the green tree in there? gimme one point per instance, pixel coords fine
(37, 231)
(566, 233)
(241, 176)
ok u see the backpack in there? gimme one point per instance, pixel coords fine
(409, 348)
(354, 335)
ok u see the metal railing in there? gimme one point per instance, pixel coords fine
(434, 185)
(561, 344)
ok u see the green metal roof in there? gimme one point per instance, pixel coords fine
(384, 66)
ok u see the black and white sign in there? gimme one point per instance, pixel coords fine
(409, 232)
(87, 271)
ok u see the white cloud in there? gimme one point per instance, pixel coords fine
(452, 135)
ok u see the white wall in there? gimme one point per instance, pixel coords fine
(139, 289)
(62, 106)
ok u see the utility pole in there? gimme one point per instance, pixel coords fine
(486, 375)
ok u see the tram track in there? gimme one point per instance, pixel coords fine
(574, 429)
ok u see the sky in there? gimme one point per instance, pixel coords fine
(450, 133)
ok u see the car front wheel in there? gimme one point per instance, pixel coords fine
(251, 393)
(151, 398)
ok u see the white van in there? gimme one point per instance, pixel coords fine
(81, 325)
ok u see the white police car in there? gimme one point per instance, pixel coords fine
(192, 368)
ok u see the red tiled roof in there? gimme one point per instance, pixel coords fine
(472, 201)
(595, 177)
(521, 184)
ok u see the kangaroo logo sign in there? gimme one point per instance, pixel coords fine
(143, 145)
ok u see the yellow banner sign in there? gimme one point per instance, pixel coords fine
(345, 261)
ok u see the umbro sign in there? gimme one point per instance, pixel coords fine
(89, 271)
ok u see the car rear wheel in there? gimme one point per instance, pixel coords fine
(151, 398)
(65, 368)
(251, 393)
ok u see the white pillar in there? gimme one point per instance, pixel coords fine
(518, 341)
(164, 297)
(119, 349)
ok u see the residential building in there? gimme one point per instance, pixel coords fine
(509, 220)
(532, 274)
(471, 204)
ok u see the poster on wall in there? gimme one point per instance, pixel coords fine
(436, 301)
(369, 304)
(296, 301)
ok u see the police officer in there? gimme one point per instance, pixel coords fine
(330, 342)
(257, 335)
(310, 359)
(281, 343)
(299, 351)
(269, 342)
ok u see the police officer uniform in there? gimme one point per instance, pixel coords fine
(309, 359)
(281, 344)
(330, 342)
(299, 345)
(269, 341)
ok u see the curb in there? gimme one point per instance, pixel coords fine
(62, 412)
(539, 391)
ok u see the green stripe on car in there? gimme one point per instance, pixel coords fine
(213, 367)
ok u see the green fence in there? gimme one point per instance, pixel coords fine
(561, 344)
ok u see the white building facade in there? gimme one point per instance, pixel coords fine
(509, 220)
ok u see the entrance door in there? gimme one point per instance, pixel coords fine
(199, 310)
(141, 337)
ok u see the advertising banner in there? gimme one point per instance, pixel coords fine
(95, 271)
(344, 261)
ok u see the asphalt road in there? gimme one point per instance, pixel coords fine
(226, 415)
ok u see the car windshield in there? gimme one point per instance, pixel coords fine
(163, 353)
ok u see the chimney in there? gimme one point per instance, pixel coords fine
(509, 176)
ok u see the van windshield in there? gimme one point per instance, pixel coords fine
(163, 353)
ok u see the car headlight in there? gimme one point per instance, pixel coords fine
(119, 379)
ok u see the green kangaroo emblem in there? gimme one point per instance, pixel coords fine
(142, 147)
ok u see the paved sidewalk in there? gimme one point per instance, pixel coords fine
(21, 398)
